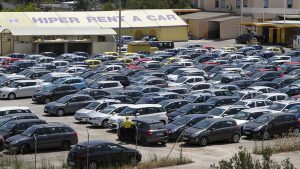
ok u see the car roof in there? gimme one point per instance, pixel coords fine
(232, 106)
(107, 81)
(219, 119)
(14, 108)
(106, 100)
(26, 120)
(120, 105)
(137, 106)
(146, 120)
(256, 109)
(19, 114)
(76, 95)
(273, 94)
(92, 143)
(24, 81)
(51, 125)
(197, 115)
(259, 87)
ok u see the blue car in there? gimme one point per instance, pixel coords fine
(77, 82)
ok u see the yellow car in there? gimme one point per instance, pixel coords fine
(229, 49)
(129, 54)
(112, 53)
(277, 50)
(125, 60)
(170, 60)
(92, 63)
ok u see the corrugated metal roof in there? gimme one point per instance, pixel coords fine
(226, 18)
(204, 15)
(17, 31)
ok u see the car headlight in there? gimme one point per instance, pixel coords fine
(258, 128)
(14, 142)
(195, 134)
(173, 131)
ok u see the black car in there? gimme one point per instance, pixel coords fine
(146, 130)
(173, 104)
(242, 84)
(192, 108)
(68, 104)
(269, 125)
(35, 74)
(134, 94)
(101, 153)
(222, 100)
(48, 136)
(199, 98)
(121, 78)
(212, 130)
(176, 127)
(151, 100)
(266, 76)
(95, 93)
(282, 82)
(290, 90)
(19, 116)
(52, 93)
(18, 126)
(272, 84)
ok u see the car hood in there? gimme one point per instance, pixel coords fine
(117, 118)
(173, 84)
(174, 114)
(17, 138)
(192, 130)
(41, 93)
(4, 133)
(84, 111)
(171, 126)
(172, 77)
(97, 114)
(54, 104)
(252, 125)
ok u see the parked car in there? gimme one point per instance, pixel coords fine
(53, 93)
(108, 85)
(11, 117)
(19, 89)
(226, 111)
(68, 104)
(18, 126)
(222, 100)
(272, 96)
(171, 105)
(13, 110)
(94, 106)
(177, 127)
(253, 103)
(101, 153)
(77, 82)
(59, 135)
(147, 131)
(212, 130)
(269, 125)
(247, 115)
(151, 111)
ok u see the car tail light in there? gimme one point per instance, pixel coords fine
(281, 75)
(81, 157)
(75, 134)
(149, 133)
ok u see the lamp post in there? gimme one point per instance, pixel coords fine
(242, 8)
(284, 10)
(120, 25)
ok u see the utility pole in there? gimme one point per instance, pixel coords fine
(284, 10)
(120, 25)
(35, 150)
(242, 10)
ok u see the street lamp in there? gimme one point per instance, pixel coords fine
(120, 22)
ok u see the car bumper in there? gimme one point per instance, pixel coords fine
(94, 122)
(3, 95)
(10, 147)
(191, 140)
(37, 99)
(80, 118)
(50, 111)
(113, 126)
(158, 139)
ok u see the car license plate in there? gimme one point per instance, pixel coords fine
(159, 134)
(247, 132)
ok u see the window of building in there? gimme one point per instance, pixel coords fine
(245, 3)
(289, 3)
(223, 3)
(217, 3)
(266, 3)
(238, 4)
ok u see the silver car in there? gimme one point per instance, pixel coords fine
(20, 88)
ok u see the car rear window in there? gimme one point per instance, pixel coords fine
(156, 126)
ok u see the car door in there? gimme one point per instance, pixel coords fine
(216, 133)
(117, 154)
(172, 107)
(73, 105)
(277, 126)
(31, 88)
(42, 138)
(55, 137)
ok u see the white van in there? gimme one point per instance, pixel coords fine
(150, 111)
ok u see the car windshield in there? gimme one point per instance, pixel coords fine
(154, 126)
(92, 106)
(294, 72)
(29, 131)
(181, 80)
(256, 75)
(212, 101)
(108, 109)
(277, 106)
(263, 119)
(8, 126)
(63, 99)
(216, 112)
(191, 98)
(185, 108)
(182, 121)
(239, 95)
(240, 103)
(241, 115)
(128, 112)
(4, 120)
(203, 124)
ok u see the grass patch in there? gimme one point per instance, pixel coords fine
(17, 162)
(286, 143)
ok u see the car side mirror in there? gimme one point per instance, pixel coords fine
(224, 115)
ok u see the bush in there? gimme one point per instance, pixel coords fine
(243, 160)
(1, 6)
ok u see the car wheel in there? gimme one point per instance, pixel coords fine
(60, 112)
(66, 145)
(105, 123)
(236, 138)
(266, 136)
(47, 100)
(93, 165)
(296, 132)
(144, 142)
(203, 141)
(24, 149)
(11, 96)
(163, 122)
(163, 143)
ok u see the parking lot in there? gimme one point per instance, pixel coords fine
(203, 157)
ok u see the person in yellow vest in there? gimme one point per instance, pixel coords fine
(127, 123)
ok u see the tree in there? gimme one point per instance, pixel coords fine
(108, 6)
(26, 8)
(86, 5)
(147, 4)
(1, 6)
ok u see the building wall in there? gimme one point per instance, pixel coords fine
(231, 28)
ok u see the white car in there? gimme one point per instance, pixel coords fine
(226, 111)
(20, 88)
(262, 89)
(247, 115)
(252, 103)
(100, 118)
(186, 80)
(13, 110)
(273, 96)
(108, 85)
(95, 106)
(150, 111)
